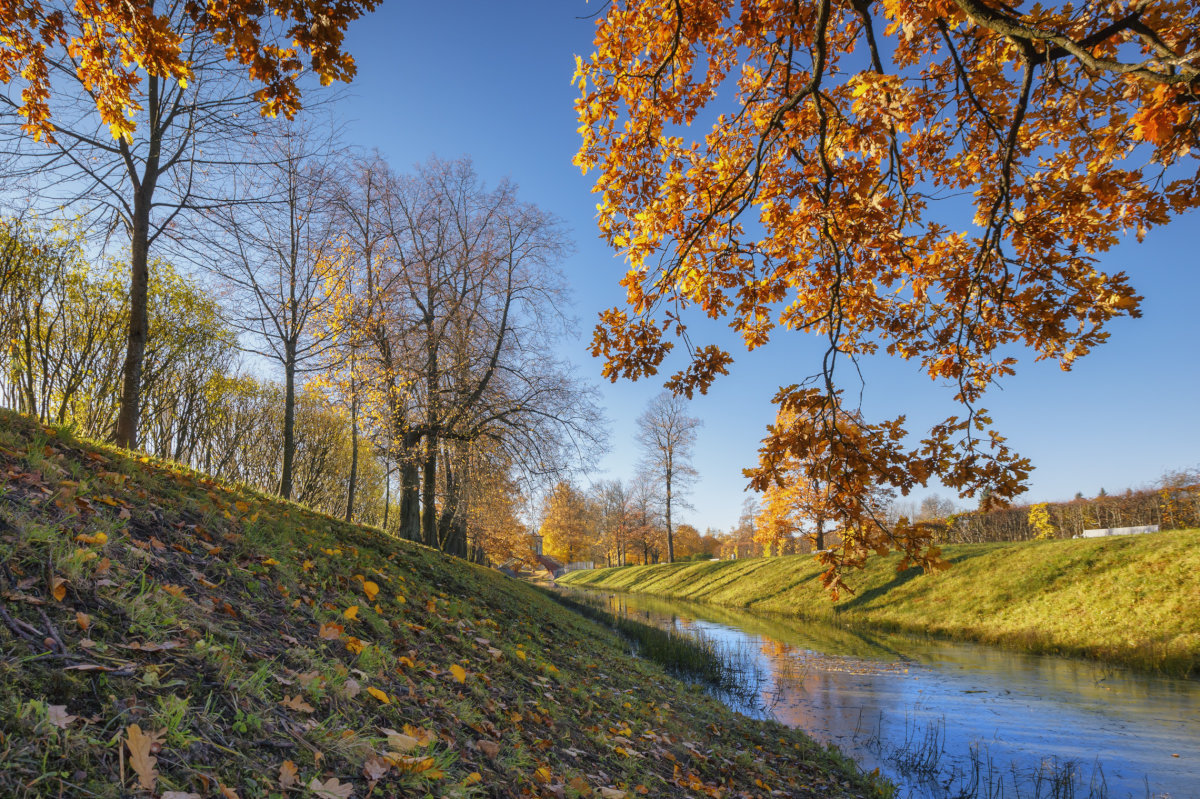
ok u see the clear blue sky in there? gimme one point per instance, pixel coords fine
(492, 81)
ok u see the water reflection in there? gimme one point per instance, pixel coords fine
(945, 719)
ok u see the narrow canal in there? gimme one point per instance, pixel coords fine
(945, 720)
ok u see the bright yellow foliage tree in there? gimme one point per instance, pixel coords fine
(931, 179)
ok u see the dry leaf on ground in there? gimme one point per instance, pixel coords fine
(140, 758)
(333, 789)
(287, 775)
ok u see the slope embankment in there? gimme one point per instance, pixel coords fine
(1133, 600)
(163, 634)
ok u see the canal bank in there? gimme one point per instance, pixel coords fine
(1132, 600)
(943, 719)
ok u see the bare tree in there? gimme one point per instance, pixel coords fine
(667, 436)
(273, 256)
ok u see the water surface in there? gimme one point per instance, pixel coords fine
(944, 719)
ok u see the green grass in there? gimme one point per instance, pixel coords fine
(1133, 600)
(205, 615)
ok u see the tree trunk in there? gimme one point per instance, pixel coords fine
(670, 533)
(289, 421)
(353, 485)
(410, 488)
(387, 489)
(429, 523)
(135, 351)
(139, 278)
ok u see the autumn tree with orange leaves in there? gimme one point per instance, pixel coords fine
(123, 67)
(934, 180)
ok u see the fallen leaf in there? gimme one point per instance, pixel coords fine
(59, 717)
(489, 748)
(333, 789)
(140, 746)
(473, 778)
(296, 703)
(460, 674)
(380, 695)
(58, 588)
(542, 774)
(287, 775)
(351, 689)
(331, 630)
(351, 612)
(375, 768)
(150, 646)
(612, 793)
(179, 795)
(227, 792)
(83, 620)
(371, 589)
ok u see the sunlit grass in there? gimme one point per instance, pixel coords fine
(1126, 599)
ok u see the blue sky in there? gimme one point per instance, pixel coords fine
(493, 81)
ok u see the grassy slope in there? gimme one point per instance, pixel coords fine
(1129, 599)
(201, 615)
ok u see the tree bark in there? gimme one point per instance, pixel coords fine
(135, 350)
(289, 422)
(353, 484)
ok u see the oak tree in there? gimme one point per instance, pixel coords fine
(933, 180)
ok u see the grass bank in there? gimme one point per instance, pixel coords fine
(163, 634)
(1133, 600)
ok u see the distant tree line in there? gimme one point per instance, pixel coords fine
(1174, 504)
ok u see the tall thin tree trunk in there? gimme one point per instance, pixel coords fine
(139, 278)
(289, 421)
(429, 525)
(350, 489)
(387, 488)
(670, 531)
(135, 352)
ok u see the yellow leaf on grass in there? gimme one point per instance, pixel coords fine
(241, 506)
(459, 672)
(405, 660)
(380, 695)
(58, 588)
(330, 630)
(270, 562)
(96, 538)
(140, 758)
(473, 778)
(542, 774)
(354, 645)
(371, 589)
(351, 612)
(83, 620)
(521, 654)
